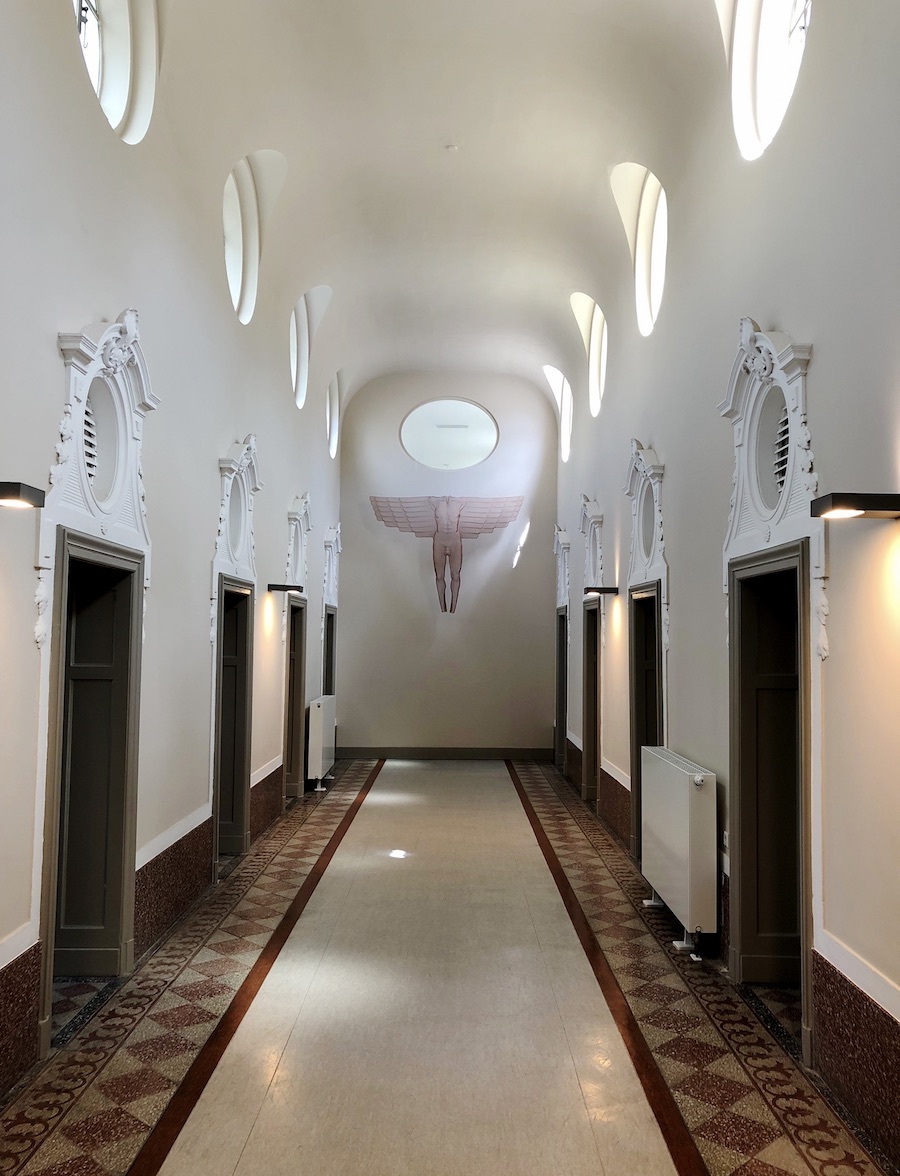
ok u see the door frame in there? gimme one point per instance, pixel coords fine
(329, 647)
(243, 588)
(591, 700)
(561, 695)
(71, 545)
(791, 556)
(295, 604)
(651, 590)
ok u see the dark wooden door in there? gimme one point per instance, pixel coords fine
(232, 724)
(768, 724)
(294, 751)
(94, 771)
(591, 760)
(330, 651)
(646, 694)
(561, 717)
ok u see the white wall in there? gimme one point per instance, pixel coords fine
(804, 241)
(408, 674)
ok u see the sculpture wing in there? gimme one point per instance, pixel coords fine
(415, 515)
(481, 515)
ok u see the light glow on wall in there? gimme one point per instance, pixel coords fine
(268, 614)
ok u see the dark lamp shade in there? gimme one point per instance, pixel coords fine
(842, 505)
(17, 494)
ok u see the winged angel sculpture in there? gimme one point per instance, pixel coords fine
(447, 521)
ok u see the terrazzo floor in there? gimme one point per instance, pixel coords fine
(750, 1107)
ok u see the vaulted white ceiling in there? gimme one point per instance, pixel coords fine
(439, 257)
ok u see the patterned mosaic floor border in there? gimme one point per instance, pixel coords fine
(751, 1108)
(93, 1103)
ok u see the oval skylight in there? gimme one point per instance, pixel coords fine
(449, 434)
(767, 48)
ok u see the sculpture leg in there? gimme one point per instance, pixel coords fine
(455, 560)
(440, 563)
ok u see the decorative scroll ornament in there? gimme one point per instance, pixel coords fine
(447, 521)
(97, 479)
(296, 569)
(235, 552)
(299, 526)
(332, 568)
(561, 548)
(592, 529)
(648, 563)
(774, 478)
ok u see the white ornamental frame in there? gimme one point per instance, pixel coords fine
(296, 568)
(648, 563)
(332, 559)
(111, 353)
(235, 553)
(763, 361)
(592, 529)
(561, 547)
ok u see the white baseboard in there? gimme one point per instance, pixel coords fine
(265, 770)
(616, 772)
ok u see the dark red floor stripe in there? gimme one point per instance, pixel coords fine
(159, 1142)
(680, 1142)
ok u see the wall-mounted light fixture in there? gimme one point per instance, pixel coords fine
(841, 505)
(20, 496)
(284, 587)
(601, 591)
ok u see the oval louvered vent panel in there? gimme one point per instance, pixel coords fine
(782, 449)
(90, 440)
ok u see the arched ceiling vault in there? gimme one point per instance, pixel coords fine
(438, 257)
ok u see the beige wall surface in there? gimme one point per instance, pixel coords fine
(804, 241)
(409, 675)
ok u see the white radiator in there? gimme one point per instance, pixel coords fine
(321, 740)
(678, 836)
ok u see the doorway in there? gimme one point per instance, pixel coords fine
(88, 888)
(231, 796)
(646, 691)
(329, 652)
(561, 718)
(295, 701)
(770, 920)
(591, 761)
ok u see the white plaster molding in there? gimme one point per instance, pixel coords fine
(169, 836)
(576, 739)
(592, 529)
(299, 527)
(235, 553)
(647, 562)
(296, 568)
(616, 772)
(873, 982)
(761, 517)
(561, 547)
(97, 481)
(266, 770)
(17, 941)
(332, 561)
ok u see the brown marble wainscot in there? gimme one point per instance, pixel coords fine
(266, 802)
(20, 986)
(167, 886)
(574, 765)
(614, 807)
(857, 1051)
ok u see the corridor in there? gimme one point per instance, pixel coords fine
(430, 1013)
